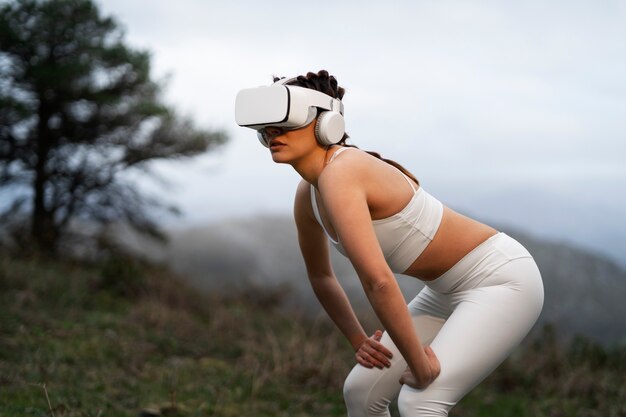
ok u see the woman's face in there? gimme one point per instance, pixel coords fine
(291, 145)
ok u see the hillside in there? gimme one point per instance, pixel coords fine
(584, 291)
(126, 338)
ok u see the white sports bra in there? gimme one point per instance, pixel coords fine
(404, 235)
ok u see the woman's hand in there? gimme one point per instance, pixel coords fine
(427, 374)
(371, 353)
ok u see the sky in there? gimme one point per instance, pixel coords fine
(512, 112)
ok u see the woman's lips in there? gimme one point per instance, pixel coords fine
(275, 143)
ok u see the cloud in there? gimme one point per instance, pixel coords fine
(500, 94)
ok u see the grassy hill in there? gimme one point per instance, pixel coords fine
(124, 338)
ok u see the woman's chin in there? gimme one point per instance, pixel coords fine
(279, 157)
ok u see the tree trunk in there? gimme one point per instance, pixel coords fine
(43, 230)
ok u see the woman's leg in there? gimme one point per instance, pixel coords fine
(487, 323)
(368, 392)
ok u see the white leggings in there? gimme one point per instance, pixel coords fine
(473, 316)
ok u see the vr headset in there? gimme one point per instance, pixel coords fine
(290, 107)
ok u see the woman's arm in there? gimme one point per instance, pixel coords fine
(314, 248)
(342, 186)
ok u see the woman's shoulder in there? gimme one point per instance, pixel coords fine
(303, 188)
(350, 166)
(303, 195)
(303, 207)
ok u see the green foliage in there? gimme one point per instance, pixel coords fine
(122, 275)
(166, 349)
(78, 109)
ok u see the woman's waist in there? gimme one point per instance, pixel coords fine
(456, 237)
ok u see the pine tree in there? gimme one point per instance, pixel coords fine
(78, 109)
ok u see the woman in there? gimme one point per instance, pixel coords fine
(483, 291)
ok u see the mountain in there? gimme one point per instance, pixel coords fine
(584, 291)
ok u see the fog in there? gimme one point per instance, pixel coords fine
(508, 111)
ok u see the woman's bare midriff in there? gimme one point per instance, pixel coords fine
(456, 237)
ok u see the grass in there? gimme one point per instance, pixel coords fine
(124, 338)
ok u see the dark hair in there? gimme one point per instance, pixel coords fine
(327, 84)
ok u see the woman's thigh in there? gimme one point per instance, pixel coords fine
(487, 323)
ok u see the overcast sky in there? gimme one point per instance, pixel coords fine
(512, 111)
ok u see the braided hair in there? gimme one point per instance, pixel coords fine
(324, 82)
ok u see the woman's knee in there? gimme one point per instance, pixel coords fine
(361, 395)
(353, 388)
(413, 402)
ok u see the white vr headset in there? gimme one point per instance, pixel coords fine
(289, 107)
